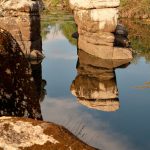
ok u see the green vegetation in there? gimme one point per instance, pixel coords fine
(60, 4)
(139, 36)
(60, 20)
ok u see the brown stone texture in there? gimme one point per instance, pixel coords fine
(28, 134)
(22, 20)
(97, 21)
(89, 4)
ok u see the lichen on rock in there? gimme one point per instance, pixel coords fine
(22, 134)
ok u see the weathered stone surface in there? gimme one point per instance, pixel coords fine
(22, 19)
(105, 52)
(99, 38)
(95, 20)
(36, 55)
(89, 4)
(19, 133)
(108, 105)
(21, 5)
(87, 59)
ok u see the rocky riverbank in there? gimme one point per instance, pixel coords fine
(21, 134)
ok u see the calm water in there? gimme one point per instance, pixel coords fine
(125, 129)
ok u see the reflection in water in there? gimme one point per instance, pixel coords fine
(19, 95)
(121, 130)
(55, 21)
(95, 84)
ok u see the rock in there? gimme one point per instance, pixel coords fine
(105, 52)
(97, 19)
(90, 4)
(121, 41)
(75, 35)
(121, 30)
(21, 133)
(90, 60)
(99, 38)
(21, 5)
(121, 37)
(35, 54)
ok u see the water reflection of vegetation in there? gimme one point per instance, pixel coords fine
(139, 36)
(62, 21)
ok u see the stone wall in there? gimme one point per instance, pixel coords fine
(22, 19)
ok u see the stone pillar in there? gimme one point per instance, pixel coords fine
(22, 19)
(97, 22)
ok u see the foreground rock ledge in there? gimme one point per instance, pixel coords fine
(22, 133)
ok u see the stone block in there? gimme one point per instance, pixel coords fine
(95, 20)
(90, 4)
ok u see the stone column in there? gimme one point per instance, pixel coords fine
(22, 19)
(97, 21)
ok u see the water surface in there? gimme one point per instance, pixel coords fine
(126, 128)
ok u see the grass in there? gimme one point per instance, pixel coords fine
(135, 8)
(56, 4)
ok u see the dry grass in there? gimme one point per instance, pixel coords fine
(135, 8)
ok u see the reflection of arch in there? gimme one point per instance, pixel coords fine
(18, 92)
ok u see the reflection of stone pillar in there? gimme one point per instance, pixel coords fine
(95, 84)
(22, 20)
(18, 91)
(97, 21)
